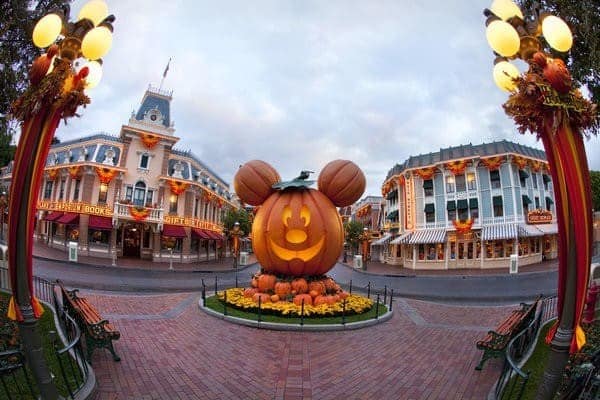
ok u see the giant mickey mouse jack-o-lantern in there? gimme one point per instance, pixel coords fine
(297, 230)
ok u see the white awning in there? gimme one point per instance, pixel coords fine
(402, 239)
(548, 229)
(526, 230)
(428, 236)
(499, 231)
(382, 240)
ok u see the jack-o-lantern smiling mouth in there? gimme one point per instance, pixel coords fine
(304, 255)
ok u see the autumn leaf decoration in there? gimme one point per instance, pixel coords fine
(463, 226)
(178, 187)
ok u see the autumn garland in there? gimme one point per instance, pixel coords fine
(74, 171)
(492, 163)
(149, 140)
(457, 167)
(520, 162)
(178, 187)
(463, 226)
(425, 173)
(105, 175)
(139, 213)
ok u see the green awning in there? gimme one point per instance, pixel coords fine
(523, 174)
(473, 203)
(429, 208)
(428, 184)
(451, 205)
(462, 204)
(526, 199)
(549, 200)
(497, 200)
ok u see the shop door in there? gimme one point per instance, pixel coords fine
(131, 241)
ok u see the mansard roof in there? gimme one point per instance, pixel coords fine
(192, 156)
(156, 99)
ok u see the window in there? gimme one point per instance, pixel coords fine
(450, 184)
(545, 179)
(474, 208)
(144, 161)
(495, 179)
(471, 184)
(429, 212)
(139, 194)
(61, 193)
(549, 203)
(451, 208)
(523, 178)
(173, 204)
(149, 196)
(534, 180)
(196, 204)
(76, 190)
(537, 202)
(498, 206)
(48, 190)
(128, 193)
(463, 209)
(428, 187)
(461, 185)
(102, 196)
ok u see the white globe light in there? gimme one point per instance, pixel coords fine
(47, 30)
(96, 43)
(504, 75)
(95, 10)
(557, 33)
(506, 9)
(503, 38)
(94, 75)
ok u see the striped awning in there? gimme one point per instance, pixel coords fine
(548, 229)
(526, 230)
(382, 240)
(499, 231)
(428, 236)
(402, 239)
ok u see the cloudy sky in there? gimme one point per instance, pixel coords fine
(300, 83)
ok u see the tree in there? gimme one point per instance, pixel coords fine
(17, 52)
(232, 216)
(353, 231)
(595, 178)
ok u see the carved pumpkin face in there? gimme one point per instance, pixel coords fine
(297, 232)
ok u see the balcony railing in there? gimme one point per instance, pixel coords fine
(123, 211)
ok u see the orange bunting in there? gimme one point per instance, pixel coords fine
(425, 173)
(74, 171)
(52, 174)
(149, 140)
(208, 196)
(139, 213)
(401, 180)
(457, 167)
(492, 163)
(219, 203)
(520, 162)
(178, 187)
(463, 226)
(105, 174)
(536, 166)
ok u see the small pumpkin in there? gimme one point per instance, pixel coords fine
(254, 180)
(320, 300)
(250, 292)
(313, 293)
(330, 285)
(266, 282)
(274, 298)
(264, 298)
(283, 289)
(300, 285)
(317, 286)
(342, 181)
(307, 300)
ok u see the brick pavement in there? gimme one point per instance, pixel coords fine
(172, 350)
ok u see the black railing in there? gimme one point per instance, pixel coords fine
(67, 361)
(513, 380)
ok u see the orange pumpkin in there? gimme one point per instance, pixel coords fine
(330, 285)
(266, 282)
(297, 231)
(320, 300)
(249, 292)
(307, 300)
(313, 293)
(342, 181)
(264, 298)
(317, 286)
(283, 289)
(254, 282)
(343, 295)
(254, 180)
(275, 298)
(300, 285)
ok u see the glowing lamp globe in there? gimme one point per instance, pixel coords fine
(504, 73)
(96, 43)
(506, 9)
(47, 30)
(557, 33)
(94, 75)
(503, 38)
(95, 11)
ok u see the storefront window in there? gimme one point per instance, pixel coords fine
(421, 252)
(97, 237)
(168, 242)
(146, 237)
(499, 249)
(509, 248)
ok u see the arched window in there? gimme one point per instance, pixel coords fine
(139, 193)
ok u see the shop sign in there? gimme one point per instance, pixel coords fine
(192, 222)
(75, 207)
(409, 201)
(539, 217)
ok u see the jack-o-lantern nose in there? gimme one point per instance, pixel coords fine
(295, 236)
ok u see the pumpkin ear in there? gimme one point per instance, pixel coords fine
(342, 181)
(254, 180)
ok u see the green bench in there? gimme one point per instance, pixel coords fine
(99, 333)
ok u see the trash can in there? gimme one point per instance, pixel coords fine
(243, 258)
(358, 262)
(514, 263)
(73, 251)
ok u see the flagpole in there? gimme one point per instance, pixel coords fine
(164, 75)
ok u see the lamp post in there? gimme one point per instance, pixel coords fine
(365, 247)
(235, 236)
(544, 102)
(56, 90)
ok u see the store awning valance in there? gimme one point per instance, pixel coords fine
(429, 208)
(526, 199)
(548, 229)
(473, 203)
(428, 184)
(526, 230)
(523, 174)
(200, 233)
(100, 223)
(428, 236)
(498, 232)
(451, 205)
(175, 231)
(402, 239)
(497, 200)
(382, 240)
(53, 216)
(462, 204)
(69, 219)
(549, 200)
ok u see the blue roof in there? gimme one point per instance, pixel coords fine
(99, 135)
(153, 101)
(191, 155)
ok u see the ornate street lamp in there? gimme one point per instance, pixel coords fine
(543, 101)
(235, 233)
(364, 238)
(58, 79)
